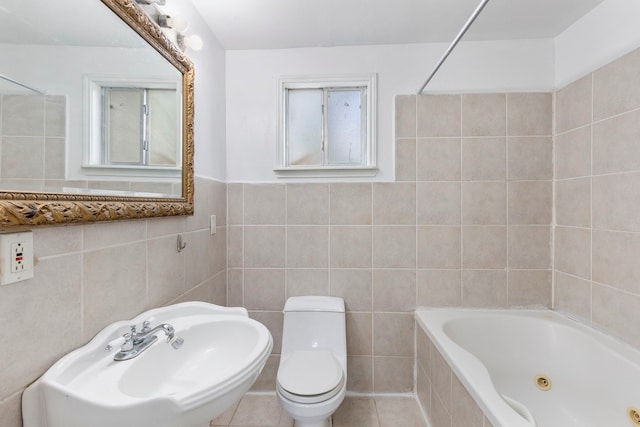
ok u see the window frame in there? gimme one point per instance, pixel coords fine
(368, 167)
(92, 162)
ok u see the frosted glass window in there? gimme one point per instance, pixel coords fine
(344, 127)
(304, 127)
(140, 127)
(327, 126)
(163, 132)
(124, 124)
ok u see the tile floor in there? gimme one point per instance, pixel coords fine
(263, 410)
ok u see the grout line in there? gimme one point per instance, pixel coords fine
(506, 195)
(591, 206)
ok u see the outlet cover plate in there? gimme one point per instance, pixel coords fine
(12, 247)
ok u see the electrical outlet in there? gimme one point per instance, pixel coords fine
(16, 257)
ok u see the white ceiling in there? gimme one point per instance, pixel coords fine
(274, 24)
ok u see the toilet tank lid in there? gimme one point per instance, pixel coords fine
(315, 303)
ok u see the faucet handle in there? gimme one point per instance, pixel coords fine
(128, 341)
(146, 326)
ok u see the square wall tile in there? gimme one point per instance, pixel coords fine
(394, 290)
(529, 114)
(307, 281)
(484, 115)
(355, 286)
(393, 375)
(23, 115)
(406, 159)
(405, 117)
(360, 332)
(30, 150)
(235, 204)
(573, 251)
(616, 86)
(55, 115)
(264, 204)
(394, 246)
(530, 202)
(615, 144)
(350, 246)
(573, 202)
(439, 246)
(360, 374)
(264, 289)
(112, 294)
(351, 203)
(438, 115)
(530, 158)
(484, 288)
(484, 159)
(612, 310)
(484, 247)
(438, 203)
(530, 247)
(616, 201)
(615, 259)
(393, 334)
(307, 246)
(573, 153)
(439, 288)
(264, 246)
(166, 275)
(438, 159)
(484, 203)
(572, 295)
(307, 204)
(394, 203)
(573, 105)
(529, 288)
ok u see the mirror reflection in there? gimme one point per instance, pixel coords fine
(86, 105)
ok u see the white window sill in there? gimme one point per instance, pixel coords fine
(132, 171)
(326, 172)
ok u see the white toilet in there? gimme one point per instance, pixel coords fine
(312, 376)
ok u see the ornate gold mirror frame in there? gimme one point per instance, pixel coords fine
(25, 209)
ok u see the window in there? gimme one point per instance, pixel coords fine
(139, 127)
(132, 125)
(327, 126)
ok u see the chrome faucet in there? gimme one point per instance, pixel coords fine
(137, 342)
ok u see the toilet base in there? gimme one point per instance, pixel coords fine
(315, 414)
(323, 423)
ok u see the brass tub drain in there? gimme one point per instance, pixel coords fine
(543, 382)
(634, 416)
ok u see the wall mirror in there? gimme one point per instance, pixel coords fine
(75, 77)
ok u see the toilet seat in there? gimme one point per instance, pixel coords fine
(310, 376)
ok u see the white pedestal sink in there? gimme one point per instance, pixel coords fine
(221, 357)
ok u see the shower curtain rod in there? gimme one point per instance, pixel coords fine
(453, 44)
(9, 79)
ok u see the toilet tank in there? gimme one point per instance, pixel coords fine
(314, 323)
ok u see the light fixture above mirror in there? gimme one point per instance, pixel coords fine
(175, 26)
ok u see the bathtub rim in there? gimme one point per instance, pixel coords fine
(472, 373)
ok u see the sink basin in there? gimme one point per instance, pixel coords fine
(222, 355)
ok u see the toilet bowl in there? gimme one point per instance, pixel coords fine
(312, 377)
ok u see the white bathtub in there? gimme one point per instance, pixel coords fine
(498, 355)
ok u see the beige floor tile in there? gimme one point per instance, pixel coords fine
(356, 412)
(258, 410)
(263, 410)
(399, 411)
